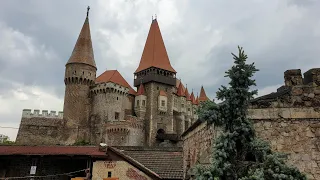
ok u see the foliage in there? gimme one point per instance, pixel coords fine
(238, 153)
(81, 143)
(6, 141)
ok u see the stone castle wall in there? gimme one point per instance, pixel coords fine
(288, 119)
(39, 129)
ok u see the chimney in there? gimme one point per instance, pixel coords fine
(293, 77)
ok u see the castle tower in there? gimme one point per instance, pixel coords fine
(80, 74)
(159, 79)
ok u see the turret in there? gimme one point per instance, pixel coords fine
(80, 74)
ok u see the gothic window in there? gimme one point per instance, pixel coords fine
(163, 103)
(116, 115)
(138, 103)
(143, 103)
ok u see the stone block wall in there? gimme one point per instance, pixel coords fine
(40, 131)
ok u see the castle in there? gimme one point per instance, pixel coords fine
(106, 108)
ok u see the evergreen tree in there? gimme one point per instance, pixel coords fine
(238, 153)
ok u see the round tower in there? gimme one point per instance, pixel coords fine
(80, 74)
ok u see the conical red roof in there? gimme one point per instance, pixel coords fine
(193, 100)
(187, 95)
(140, 90)
(115, 77)
(197, 100)
(154, 52)
(203, 96)
(180, 91)
(83, 51)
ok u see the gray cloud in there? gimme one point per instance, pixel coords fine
(37, 38)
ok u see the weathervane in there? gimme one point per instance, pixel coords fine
(88, 8)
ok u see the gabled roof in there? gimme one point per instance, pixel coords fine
(166, 162)
(203, 96)
(154, 52)
(162, 93)
(140, 90)
(83, 51)
(180, 91)
(115, 77)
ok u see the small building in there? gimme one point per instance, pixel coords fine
(98, 163)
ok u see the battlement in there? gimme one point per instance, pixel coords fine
(27, 113)
(109, 87)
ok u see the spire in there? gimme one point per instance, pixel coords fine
(154, 52)
(140, 90)
(197, 100)
(83, 51)
(187, 95)
(180, 91)
(203, 96)
(193, 100)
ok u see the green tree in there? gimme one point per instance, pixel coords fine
(238, 153)
(6, 141)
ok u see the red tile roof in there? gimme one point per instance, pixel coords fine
(203, 96)
(154, 52)
(51, 150)
(83, 51)
(178, 83)
(140, 90)
(187, 95)
(193, 100)
(162, 93)
(180, 91)
(115, 77)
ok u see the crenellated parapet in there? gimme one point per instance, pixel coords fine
(27, 113)
(109, 87)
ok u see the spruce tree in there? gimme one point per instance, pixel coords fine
(237, 153)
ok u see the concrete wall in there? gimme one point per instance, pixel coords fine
(119, 169)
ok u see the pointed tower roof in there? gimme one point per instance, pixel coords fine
(187, 95)
(193, 100)
(140, 90)
(115, 77)
(203, 96)
(180, 91)
(154, 52)
(83, 51)
(197, 100)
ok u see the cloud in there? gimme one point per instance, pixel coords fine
(37, 38)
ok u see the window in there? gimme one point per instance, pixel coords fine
(163, 103)
(166, 89)
(109, 174)
(143, 102)
(188, 109)
(116, 116)
(138, 103)
(182, 105)
(157, 87)
(117, 98)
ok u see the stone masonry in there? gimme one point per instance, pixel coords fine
(288, 119)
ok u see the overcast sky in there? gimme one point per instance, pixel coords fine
(37, 38)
